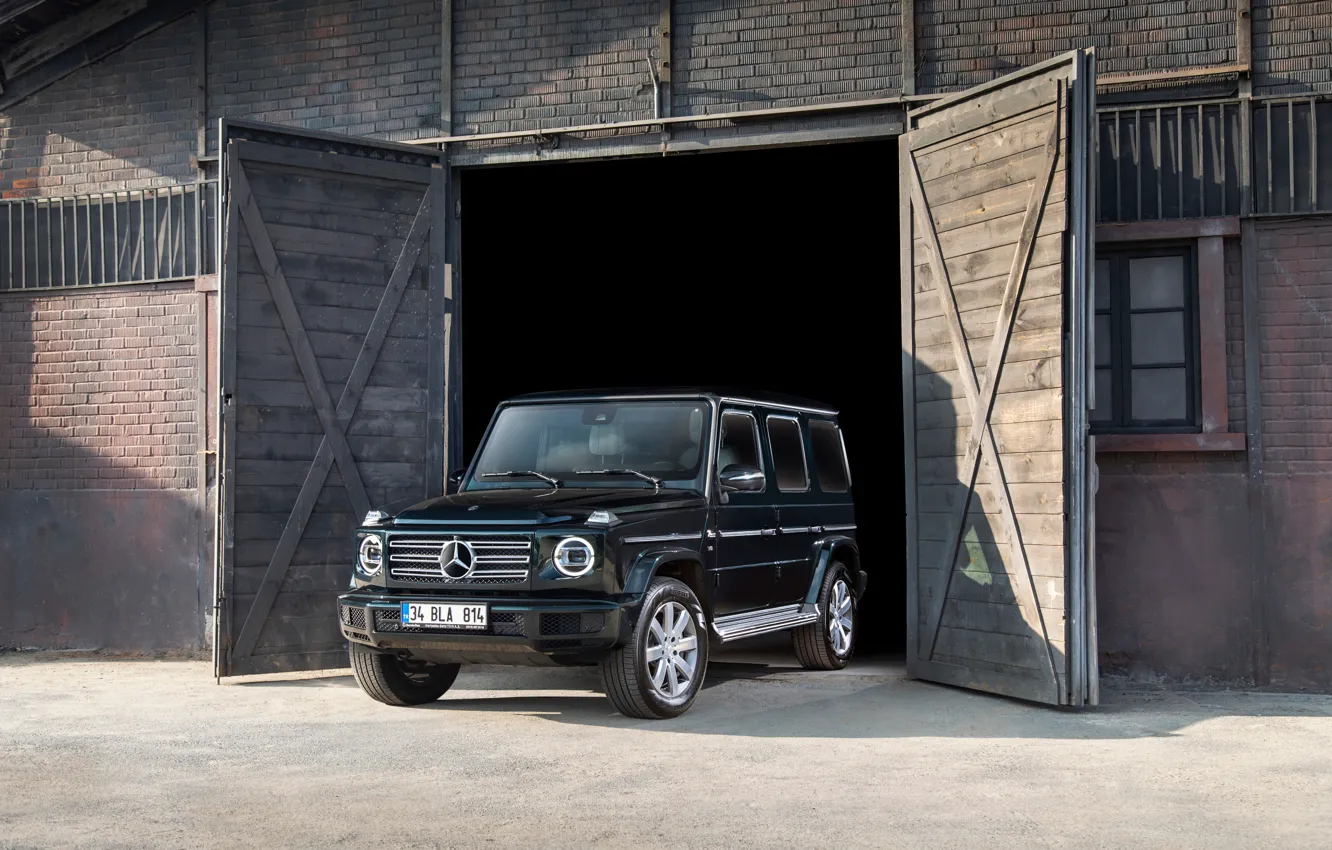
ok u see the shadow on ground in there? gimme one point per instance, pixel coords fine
(762, 694)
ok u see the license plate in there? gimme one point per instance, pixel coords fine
(431, 615)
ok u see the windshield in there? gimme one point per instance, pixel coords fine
(595, 444)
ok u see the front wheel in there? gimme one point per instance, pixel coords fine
(659, 672)
(828, 642)
(400, 681)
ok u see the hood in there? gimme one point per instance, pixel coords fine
(530, 506)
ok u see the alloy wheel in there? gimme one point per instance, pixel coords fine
(840, 619)
(672, 651)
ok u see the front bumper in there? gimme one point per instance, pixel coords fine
(518, 628)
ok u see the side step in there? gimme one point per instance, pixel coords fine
(751, 623)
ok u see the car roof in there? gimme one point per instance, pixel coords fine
(759, 397)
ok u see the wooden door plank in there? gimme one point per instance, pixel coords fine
(981, 401)
(333, 444)
(296, 337)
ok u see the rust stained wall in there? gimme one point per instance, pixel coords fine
(98, 432)
(1295, 303)
(1172, 566)
(1172, 546)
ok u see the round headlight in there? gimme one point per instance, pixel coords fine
(573, 557)
(372, 554)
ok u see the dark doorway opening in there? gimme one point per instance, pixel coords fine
(773, 270)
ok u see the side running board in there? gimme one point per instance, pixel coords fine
(751, 623)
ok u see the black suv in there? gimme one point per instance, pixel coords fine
(616, 529)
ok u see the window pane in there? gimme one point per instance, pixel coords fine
(788, 454)
(1102, 334)
(1159, 394)
(1157, 338)
(1101, 285)
(829, 460)
(739, 441)
(1104, 411)
(1156, 282)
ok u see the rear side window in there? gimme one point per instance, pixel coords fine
(788, 453)
(825, 441)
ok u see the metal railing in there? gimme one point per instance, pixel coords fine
(1292, 156)
(139, 236)
(1169, 161)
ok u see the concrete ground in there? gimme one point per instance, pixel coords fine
(98, 753)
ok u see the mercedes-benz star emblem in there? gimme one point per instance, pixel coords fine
(456, 560)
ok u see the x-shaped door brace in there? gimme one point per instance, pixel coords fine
(333, 446)
(981, 399)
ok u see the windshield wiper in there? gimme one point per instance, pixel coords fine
(524, 473)
(655, 482)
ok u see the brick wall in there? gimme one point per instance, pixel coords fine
(1235, 401)
(361, 67)
(1295, 307)
(960, 43)
(520, 65)
(1295, 302)
(1291, 44)
(127, 122)
(98, 389)
(760, 55)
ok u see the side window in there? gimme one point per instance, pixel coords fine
(739, 442)
(788, 454)
(1146, 327)
(829, 457)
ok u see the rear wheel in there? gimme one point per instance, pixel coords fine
(828, 642)
(400, 681)
(659, 672)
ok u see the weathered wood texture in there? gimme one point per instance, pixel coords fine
(988, 181)
(332, 394)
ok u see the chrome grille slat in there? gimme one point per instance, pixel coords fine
(499, 558)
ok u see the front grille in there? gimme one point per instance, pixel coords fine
(501, 623)
(354, 617)
(496, 559)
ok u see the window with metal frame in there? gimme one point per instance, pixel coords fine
(1146, 339)
(825, 440)
(788, 454)
(739, 441)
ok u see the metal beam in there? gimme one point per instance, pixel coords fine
(11, 9)
(56, 39)
(664, 57)
(98, 46)
(446, 67)
(908, 27)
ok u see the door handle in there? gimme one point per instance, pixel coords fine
(769, 532)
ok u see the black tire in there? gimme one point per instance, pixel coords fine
(628, 674)
(395, 681)
(813, 642)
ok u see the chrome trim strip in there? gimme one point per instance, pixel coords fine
(750, 532)
(662, 538)
(779, 405)
(851, 527)
(802, 529)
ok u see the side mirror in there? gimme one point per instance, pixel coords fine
(742, 478)
(455, 480)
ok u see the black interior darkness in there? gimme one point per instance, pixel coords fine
(773, 270)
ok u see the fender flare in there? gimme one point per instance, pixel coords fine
(645, 566)
(822, 557)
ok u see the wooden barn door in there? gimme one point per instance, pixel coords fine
(335, 315)
(995, 332)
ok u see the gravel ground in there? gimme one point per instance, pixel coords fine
(108, 753)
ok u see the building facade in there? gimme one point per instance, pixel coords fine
(1214, 155)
